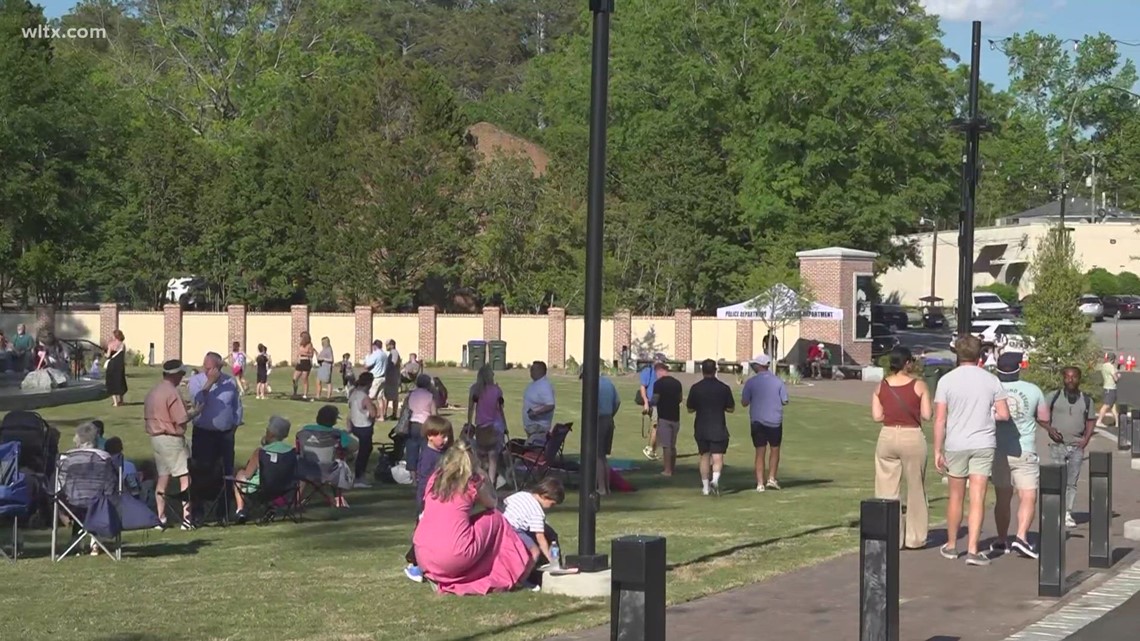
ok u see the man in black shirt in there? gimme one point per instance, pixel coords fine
(667, 393)
(711, 400)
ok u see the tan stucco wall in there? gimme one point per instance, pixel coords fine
(527, 338)
(452, 332)
(271, 330)
(140, 330)
(205, 332)
(402, 328)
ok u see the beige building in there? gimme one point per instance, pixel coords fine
(1003, 253)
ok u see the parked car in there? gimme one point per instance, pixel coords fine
(1009, 333)
(883, 339)
(987, 305)
(1121, 306)
(892, 316)
(1092, 307)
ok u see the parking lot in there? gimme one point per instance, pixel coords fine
(1116, 336)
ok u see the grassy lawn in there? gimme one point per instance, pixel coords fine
(339, 576)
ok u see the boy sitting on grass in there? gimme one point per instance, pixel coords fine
(526, 512)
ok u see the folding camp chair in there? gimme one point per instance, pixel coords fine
(276, 491)
(319, 464)
(15, 497)
(207, 492)
(82, 478)
(39, 449)
(538, 460)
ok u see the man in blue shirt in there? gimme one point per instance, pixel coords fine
(765, 397)
(217, 413)
(648, 377)
(377, 363)
(538, 405)
(608, 406)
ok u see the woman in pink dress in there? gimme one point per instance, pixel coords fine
(461, 553)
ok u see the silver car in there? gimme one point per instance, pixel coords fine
(1092, 307)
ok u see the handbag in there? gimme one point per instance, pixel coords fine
(404, 424)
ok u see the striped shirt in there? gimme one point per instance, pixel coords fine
(523, 511)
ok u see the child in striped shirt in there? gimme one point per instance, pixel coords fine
(526, 513)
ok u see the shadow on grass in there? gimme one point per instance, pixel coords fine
(719, 554)
(139, 636)
(490, 634)
(151, 550)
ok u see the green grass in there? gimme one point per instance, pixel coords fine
(339, 576)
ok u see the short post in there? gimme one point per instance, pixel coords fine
(1051, 525)
(150, 356)
(879, 564)
(1123, 428)
(1100, 509)
(1135, 435)
(637, 580)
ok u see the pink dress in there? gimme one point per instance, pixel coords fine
(466, 554)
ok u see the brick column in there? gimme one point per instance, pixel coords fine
(492, 323)
(45, 320)
(623, 331)
(683, 333)
(556, 337)
(427, 333)
(108, 321)
(236, 322)
(828, 276)
(171, 331)
(743, 340)
(298, 322)
(363, 340)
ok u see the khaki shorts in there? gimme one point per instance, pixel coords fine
(970, 463)
(667, 433)
(374, 391)
(171, 456)
(1019, 472)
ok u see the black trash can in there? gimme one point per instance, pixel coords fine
(497, 353)
(476, 354)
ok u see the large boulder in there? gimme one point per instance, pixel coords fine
(44, 380)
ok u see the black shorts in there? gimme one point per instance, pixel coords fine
(605, 435)
(711, 447)
(763, 436)
(262, 376)
(304, 365)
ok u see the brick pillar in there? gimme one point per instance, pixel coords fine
(556, 337)
(45, 320)
(108, 321)
(171, 331)
(363, 340)
(427, 333)
(492, 323)
(743, 340)
(298, 322)
(236, 322)
(683, 333)
(829, 276)
(623, 331)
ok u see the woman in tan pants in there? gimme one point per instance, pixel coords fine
(901, 403)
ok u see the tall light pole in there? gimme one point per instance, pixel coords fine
(587, 559)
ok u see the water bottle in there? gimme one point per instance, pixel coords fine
(556, 552)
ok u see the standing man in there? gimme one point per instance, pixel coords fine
(23, 347)
(218, 399)
(770, 344)
(1110, 375)
(608, 406)
(392, 381)
(377, 363)
(1016, 464)
(648, 377)
(165, 419)
(667, 394)
(1073, 418)
(765, 397)
(967, 403)
(711, 400)
(538, 405)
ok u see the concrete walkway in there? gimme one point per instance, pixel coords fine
(941, 600)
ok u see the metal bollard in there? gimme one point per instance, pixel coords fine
(150, 356)
(637, 598)
(1123, 428)
(1100, 509)
(879, 565)
(1135, 434)
(1051, 524)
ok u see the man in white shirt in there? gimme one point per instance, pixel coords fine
(377, 363)
(538, 405)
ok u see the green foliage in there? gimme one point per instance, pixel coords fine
(1053, 320)
(1128, 283)
(1102, 283)
(1005, 291)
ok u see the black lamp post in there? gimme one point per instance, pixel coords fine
(587, 559)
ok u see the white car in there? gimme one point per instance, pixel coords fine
(1007, 333)
(1092, 307)
(987, 304)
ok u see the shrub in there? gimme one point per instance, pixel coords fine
(1102, 283)
(1059, 332)
(1007, 292)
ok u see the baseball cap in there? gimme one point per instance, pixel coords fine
(660, 357)
(763, 360)
(173, 366)
(1009, 366)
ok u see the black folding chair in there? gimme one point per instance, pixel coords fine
(15, 496)
(538, 460)
(207, 493)
(318, 464)
(277, 491)
(82, 477)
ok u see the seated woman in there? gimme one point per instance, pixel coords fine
(273, 442)
(461, 553)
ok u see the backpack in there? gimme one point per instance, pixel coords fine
(1057, 395)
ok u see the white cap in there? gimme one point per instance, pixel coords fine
(762, 360)
(821, 345)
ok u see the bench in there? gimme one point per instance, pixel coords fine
(730, 368)
(672, 366)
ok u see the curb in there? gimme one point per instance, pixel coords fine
(1089, 607)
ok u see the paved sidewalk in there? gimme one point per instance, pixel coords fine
(941, 600)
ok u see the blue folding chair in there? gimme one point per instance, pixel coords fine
(15, 498)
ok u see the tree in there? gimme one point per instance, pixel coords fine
(1128, 283)
(1102, 283)
(1056, 327)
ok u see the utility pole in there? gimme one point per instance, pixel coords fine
(933, 261)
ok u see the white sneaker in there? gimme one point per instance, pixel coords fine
(704, 491)
(1069, 521)
(361, 485)
(773, 484)
(649, 453)
(760, 488)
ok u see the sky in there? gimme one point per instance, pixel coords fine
(1000, 18)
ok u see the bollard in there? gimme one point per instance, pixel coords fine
(1100, 509)
(1123, 428)
(150, 356)
(879, 564)
(637, 597)
(1135, 434)
(1051, 525)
